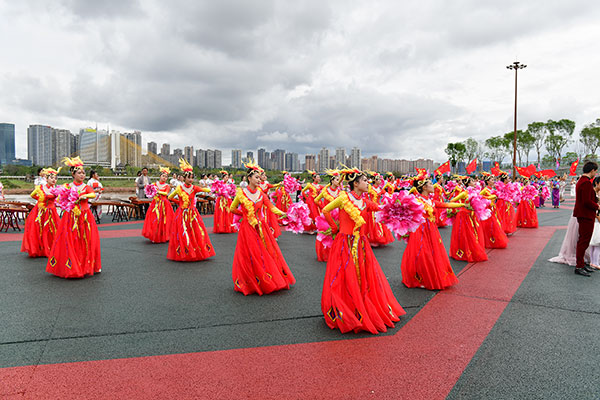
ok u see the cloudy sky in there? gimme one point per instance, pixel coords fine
(396, 78)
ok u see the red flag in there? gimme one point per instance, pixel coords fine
(472, 167)
(549, 173)
(523, 172)
(445, 167)
(531, 169)
(572, 171)
(496, 171)
(421, 171)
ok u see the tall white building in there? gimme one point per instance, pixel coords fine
(236, 158)
(355, 158)
(323, 160)
(340, 157)
(39, 144)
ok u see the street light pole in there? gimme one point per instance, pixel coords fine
(516, 66)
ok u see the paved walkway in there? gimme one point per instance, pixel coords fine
(515, 326)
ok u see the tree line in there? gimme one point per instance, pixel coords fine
(551, 136)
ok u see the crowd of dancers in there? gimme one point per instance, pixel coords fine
(351, 214)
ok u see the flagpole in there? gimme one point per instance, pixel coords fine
(516, 66)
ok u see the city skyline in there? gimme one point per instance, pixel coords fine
(396, 79)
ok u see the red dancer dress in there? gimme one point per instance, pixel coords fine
(76, 249)
(467, 240)
(527, 214)
(356, 294)
(258, 265)
(425, 262)
(377, 233)
(284, 200)
(189, 240)
(439, 195)
(506, 215)
(223, 219)
(270, 217)
(159, 217)
(326, 196)
(493, 234)
(310, 192)
(41, 224)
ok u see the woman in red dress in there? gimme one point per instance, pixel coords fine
(356, 294)
(504, 206)
(189, 239)
(258, 265)
(467, 240)
(271, 218)
(284, 199)
(493, 233)
(43, 220)
(76, 249)
(329, 193)
(222, 218)
(439, 195)
(425, 263)
(377, 233)
(159, 217)
(526, 211)
(309, 193)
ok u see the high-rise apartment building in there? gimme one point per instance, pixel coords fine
(250, 156)
(63, 145)
(7, 143)
(95, 147)
(200, 158)
(188, 155)
(152, 148)
(262, 158)
(39, 144)
(340, 157)
(355, 158)
(278, 157)
(218, 159)
(323, 160)
(310, 162)
(236, 158)
(165, 150)
(291, 162)
(210, 159)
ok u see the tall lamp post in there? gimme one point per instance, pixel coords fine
(516, 66)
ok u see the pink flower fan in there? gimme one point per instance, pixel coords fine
(231, 189)
(529, 192)
(150, 191)
(291, 184)
(297, 218)
(402, 214)
(479, 204)
(66, 197)
(324, 234)
(219, 188)
(404, 184)
(545, 192)
(450, 186)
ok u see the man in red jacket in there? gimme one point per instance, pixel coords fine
(585, 212)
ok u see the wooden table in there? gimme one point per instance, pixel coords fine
(120, 210)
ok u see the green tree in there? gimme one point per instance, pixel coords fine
(456, 152)
(560, 135)
(538, 130)
(526, 142)
(590, 137)
(471, 147)
(499, 148)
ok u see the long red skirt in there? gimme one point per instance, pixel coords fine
(467, 241)
(377, 233)
(272, 222)
(40, 230)
(507, 216)
(425, 262)
(493, 234)
(356, 295)
(258, 265)
(322, 251)
(159, 219)
(76, 249)
(527, 215)
(223, 219)
(440, 222)
(313, 213)
(189, 240)
(283, 200)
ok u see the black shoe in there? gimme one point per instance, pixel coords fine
(582, 271)
(589, 269)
